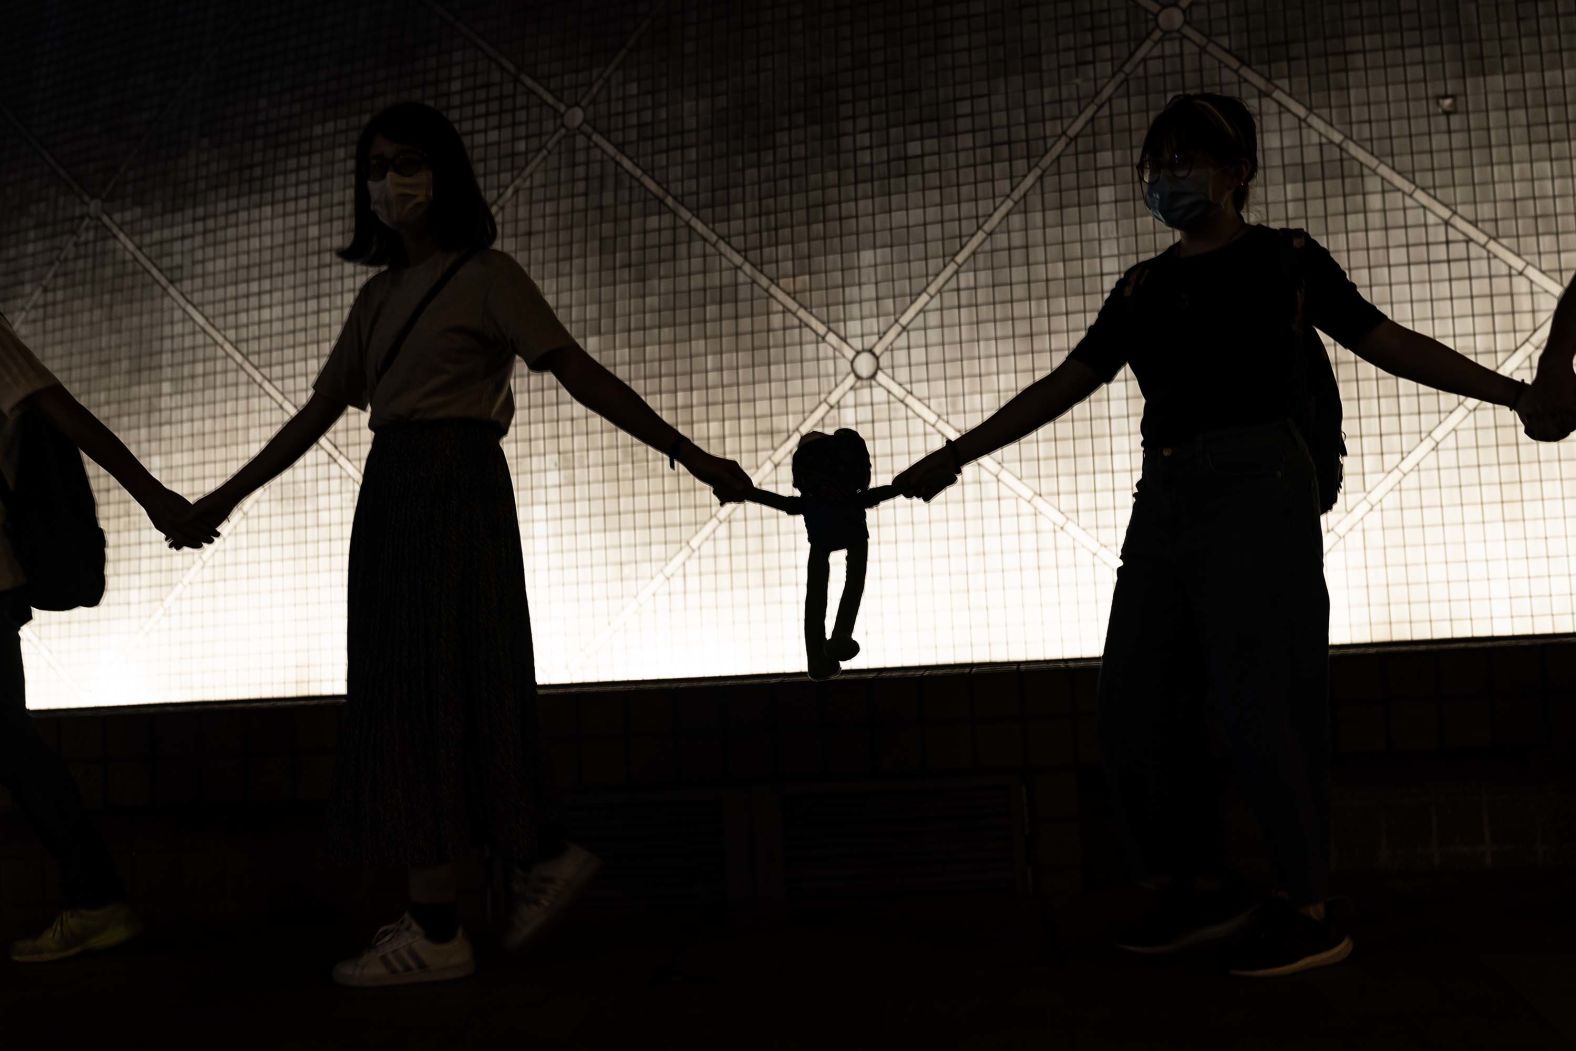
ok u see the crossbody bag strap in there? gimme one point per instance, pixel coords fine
(410, 322)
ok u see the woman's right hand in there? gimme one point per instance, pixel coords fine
(727, 479)
(205, 518)
(927, 478)
(171, 514)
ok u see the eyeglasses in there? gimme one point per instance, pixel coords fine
(1178, 165)
(403, 164)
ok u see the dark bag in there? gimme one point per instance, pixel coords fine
(51, 518)
(1317, 415)
(1320, 416)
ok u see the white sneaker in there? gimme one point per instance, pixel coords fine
(542, 892)
(402, 955)
(79, 930)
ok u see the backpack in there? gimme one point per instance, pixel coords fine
(1318, 414)
(51, 518)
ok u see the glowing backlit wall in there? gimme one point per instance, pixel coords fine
(729, 203)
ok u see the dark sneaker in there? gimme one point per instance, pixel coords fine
(542, 892)
(1181, 920)
(77, 931)
(823, 666)
(1281, 941)
(842, 649)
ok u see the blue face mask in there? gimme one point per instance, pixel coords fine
(1179, 202)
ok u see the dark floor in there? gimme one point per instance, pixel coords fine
(1479, 961)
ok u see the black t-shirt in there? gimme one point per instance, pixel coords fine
(1212, 338)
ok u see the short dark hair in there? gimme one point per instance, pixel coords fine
(1219, 126)
(459, 218)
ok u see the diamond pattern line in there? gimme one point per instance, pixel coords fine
(1041, 506)
(823, 331)
(710, 527)
(30, 638)
(203, 556)
(525, 80)
(235, 354)
(1494, 246)
(1376, 493)
(542, 153)
(49, 275)
(120, 170)
(607, 71)
(1517, 264)
(1005, 206)
(1059, 519)
(96, 212)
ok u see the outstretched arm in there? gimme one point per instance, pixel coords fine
(593, 386)
(879, 494)
(299, 434)
(169, 512)
(1413, 356)
(1028, 411)
(788, 505)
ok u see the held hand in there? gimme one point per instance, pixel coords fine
(205, 518)
(171, 514)
(927, 478)
(727, 479)
(1548, 407)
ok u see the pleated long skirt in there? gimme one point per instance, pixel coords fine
(438, 750)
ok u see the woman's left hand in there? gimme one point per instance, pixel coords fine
(927, 478)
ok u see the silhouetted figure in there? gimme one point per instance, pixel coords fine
(1220, 605)
(52, 557)
(439, 754)
(832, 474)
(1548, 412)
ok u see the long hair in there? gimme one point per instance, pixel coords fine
(459, 217)
(1217, 126)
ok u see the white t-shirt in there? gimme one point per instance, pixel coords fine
(458, 361)
(21, 374)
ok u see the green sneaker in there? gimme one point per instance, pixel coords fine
(77, 931)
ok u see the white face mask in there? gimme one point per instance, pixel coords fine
(398, 199)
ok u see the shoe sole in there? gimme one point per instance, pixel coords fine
(434, 974)
(1201, 936)
(98, 943)
(1323, 959)
(572, 891)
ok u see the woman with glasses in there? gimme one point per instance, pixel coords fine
(1220, 609)
(438, 747)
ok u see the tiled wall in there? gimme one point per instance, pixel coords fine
(1452, 758)
(734, 205)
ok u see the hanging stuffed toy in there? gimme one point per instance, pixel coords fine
(832, 474)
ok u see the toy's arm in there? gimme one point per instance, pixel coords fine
(788, 505)
(870, 497)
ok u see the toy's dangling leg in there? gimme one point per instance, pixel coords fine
(820, 665)
(841, 646)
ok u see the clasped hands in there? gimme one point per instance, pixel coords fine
(183, 523)
(1548, 406)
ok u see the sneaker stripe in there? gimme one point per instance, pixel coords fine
(416, 962)
(388, 963)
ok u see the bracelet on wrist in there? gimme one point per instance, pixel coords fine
(674, 450)
(957, 464)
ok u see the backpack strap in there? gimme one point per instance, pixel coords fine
(1289, 244)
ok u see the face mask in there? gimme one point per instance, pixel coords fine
(1180, 202)
(397, 199)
